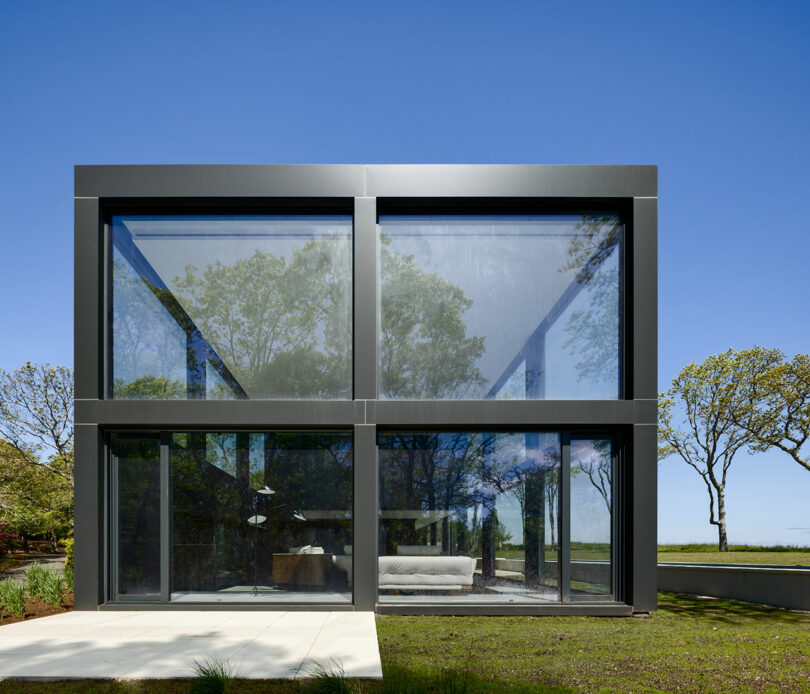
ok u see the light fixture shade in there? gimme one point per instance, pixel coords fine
(256, 520)
(298, 516)
(266, 490)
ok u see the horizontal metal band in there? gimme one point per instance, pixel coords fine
(170, 414)
(353, 180)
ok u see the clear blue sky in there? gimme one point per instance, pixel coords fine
(716, 94)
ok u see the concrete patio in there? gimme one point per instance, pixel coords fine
(156, 645)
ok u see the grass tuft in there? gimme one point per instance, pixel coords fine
(328, 679)
(68, 576)
(35, 577)
(212, 676)
(45, 584)
(12, 597)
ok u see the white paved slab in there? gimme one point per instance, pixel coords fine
(164, 644)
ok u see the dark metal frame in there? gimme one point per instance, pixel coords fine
(366, 191)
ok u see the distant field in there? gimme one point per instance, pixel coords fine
(737, 554)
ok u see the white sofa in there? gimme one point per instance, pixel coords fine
(417, 572)
(425, 573)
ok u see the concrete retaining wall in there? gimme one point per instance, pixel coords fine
(767, 585)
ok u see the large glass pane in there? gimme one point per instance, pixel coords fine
(261, 517)
(521, 307)
(469, 517)
(592, 472)
(231, 307)
(136, 476)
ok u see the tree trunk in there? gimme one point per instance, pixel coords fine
(721, 521)
(489, 540)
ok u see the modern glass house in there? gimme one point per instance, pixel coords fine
(411, 389)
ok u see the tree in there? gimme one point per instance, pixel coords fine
(282, 326)
(33, 501)
(36, 416)
(599, 469)
(774, 403)
(708, 395)
(150, 387)
(425, 350)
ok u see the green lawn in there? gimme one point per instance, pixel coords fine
(690, 644)
(780, 558)
(737, 554)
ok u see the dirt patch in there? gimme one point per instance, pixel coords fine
(10, 562)
(34, 607)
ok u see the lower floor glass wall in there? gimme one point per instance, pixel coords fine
(253, 517)
(135, 478)
(474, 517)
(464, 517)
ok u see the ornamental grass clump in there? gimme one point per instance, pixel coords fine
(329, 679)
(45, 584)
(212, 676)
(53, 588)
(12, 597)
(68, 576)
(35, 577)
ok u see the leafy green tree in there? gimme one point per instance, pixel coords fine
(425, 350)
(708, 437)
(33, 501)
(283, 327)
(150, 387)
(36, 416)
(774, 401)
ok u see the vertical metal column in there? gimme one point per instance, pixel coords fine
(364, 553)
(165, 517)
(565, 518)
(366, 302)
(643, 518)
(89, 524)
(365, 298)
(643, 461)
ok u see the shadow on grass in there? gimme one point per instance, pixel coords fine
(173, 686)
(397, 680)
(401, 680)
(726, 611)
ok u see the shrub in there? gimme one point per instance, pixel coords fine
(7, 540)
(212, 676)
(68, 544)
(12, 597)
(68, 575)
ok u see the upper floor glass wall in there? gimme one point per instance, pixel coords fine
(231, 307)
(500, 307)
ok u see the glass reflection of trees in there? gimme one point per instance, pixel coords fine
(593, 329)
(591, 527)
(137, 469)
(216, 478)
(444, 490)
(283, 328)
